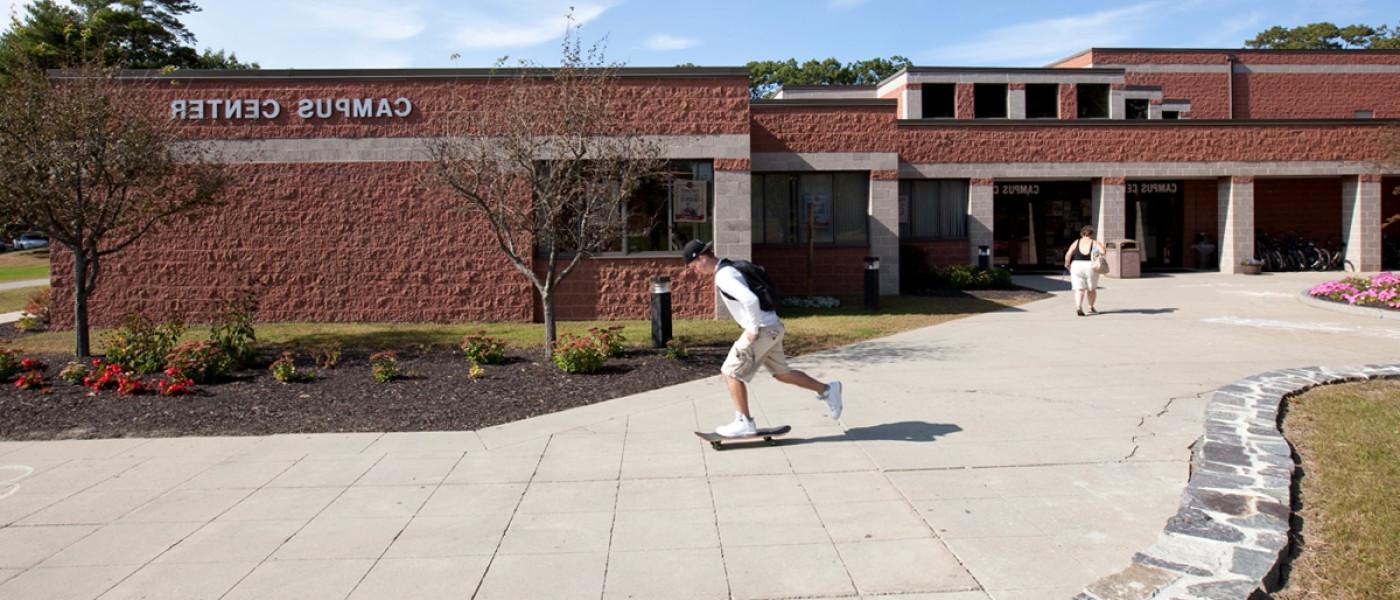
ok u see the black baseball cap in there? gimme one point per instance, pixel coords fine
(693, 249)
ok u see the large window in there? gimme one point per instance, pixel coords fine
(1093, 100)
(989, 100)
(830, 207)
(668, 210)
(939, 100)
(936, 209)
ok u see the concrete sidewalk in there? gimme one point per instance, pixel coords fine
(1020, 454)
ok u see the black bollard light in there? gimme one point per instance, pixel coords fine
(872, 283)
(984, 257)
(660, 311)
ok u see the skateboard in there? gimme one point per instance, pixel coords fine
(766, 434)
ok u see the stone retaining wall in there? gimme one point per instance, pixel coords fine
(1231, 535)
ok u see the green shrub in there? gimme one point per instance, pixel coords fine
(964, 277)
(482, 349)
(610, 340)
(201, 362)
(9, 363)
(326, 357)
(73, 373)
(384, 367)
(36, 311)
(675, 349)
(142, 345)
(578, 355)
(284, 369)
(232, 330)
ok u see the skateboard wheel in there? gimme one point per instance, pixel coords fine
(715, 445)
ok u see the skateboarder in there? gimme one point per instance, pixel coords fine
(761, 344)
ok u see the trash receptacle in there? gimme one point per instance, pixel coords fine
(1124, 259)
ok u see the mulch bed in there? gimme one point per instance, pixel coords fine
(437, 395)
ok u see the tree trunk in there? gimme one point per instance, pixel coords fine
(550, 327)
(81, 346)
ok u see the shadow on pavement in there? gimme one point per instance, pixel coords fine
(903, 431)
(1138, 311)
(867, 353)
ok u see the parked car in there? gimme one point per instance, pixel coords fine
(29, 241)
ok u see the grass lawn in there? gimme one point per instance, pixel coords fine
(26, 264)
(13, 300)
(1349, 438)
(809, 330)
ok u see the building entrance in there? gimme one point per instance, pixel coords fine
(1155, 212)
(1035, 221)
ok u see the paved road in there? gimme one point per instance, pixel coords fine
(24, 283)
(1020, 454)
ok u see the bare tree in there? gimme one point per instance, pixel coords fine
(87, 158)
(552, 171)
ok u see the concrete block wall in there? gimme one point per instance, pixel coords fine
(884, 227)
(1110, 207)
(1361, 211)
(1235, 205)
(980, 198)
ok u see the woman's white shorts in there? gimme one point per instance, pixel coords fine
(1082, 275)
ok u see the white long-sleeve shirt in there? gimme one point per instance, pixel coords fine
(743, 305)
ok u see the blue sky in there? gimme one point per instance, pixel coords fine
(427, 33)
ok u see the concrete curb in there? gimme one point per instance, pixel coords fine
(1230, 535)
(1360, 311)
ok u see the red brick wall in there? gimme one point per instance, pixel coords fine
(1209, 93)
(1311, 208)
(1316, 95)
(1215, 57)
(964, 101)
(872, 129)
(942, 253)
(1201, 214)
(1069, 102)
(620, 288)
(837, 270)
(318, 242)
(656, 105)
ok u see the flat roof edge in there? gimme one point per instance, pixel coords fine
(1023, 70)
(445, 73)
(797, 102)
(1143, 122)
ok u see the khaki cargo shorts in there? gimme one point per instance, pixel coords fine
(767, 351)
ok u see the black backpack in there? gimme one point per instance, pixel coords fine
(757, 279)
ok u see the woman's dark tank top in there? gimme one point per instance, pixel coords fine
(1081, 255)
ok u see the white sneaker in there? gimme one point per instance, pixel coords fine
(832, 398)
(741, 427)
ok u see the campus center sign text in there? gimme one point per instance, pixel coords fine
(306, 108)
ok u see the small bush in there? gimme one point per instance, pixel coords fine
(33, 364)
(102, 375)
(30, 380)
(36, 311)
(174, 383)
(610, 340)
(476, 372)
(73, 373)
(9, 363)
(142, 345)
(284, 369)
(482, 349)
(129, 383)
(326, 357)
(676, 349)
(203, 362)
(384, 367)
(578, 355)
(232, 330)
(964, 277)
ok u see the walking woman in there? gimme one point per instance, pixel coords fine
(1079, 259)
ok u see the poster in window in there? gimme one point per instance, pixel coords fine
(820, 207)
(689, 201)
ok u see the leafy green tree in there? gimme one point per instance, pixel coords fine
(1326, 36)
(136, 34)
(766, 77)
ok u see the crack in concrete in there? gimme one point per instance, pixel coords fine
(1143, 421)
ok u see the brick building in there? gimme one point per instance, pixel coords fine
(1191, 152)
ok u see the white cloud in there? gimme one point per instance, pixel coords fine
(663, 42)
(398, 23)
(1038, 42)
(525, 26)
